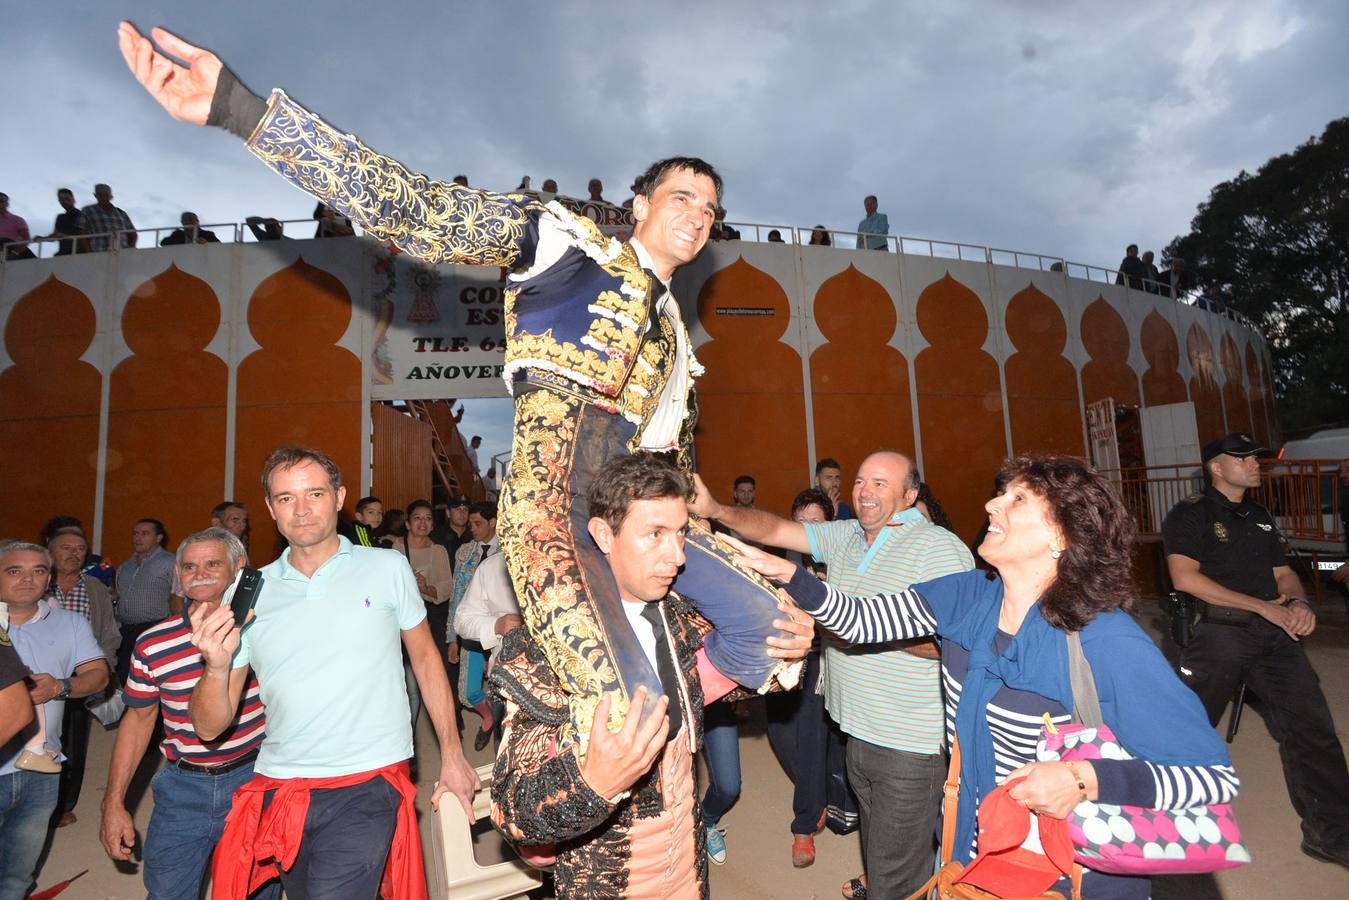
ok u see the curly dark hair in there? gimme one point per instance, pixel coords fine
(1096, 569)
(816, 497)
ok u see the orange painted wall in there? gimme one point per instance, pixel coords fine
(49, 411)
(959, 403)
(299, 388)
(1208, 404)
(1235, 403)
(1042, 397)
(1107, 373)
(752, 408)
(860, 399)
(1162, 383)
(1259, 415)
(166, 415)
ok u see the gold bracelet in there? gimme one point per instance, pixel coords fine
(1077, 776)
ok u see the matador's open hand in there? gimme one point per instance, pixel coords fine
(185, 91)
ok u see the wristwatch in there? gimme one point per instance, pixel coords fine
(65, 690)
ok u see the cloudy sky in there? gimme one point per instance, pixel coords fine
(1063, 128)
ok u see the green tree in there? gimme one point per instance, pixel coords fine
(1275, 246)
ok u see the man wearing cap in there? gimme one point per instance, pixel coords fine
(1227, 551)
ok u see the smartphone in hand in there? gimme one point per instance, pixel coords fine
(243, 594)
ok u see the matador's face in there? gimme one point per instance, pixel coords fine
(674, 222)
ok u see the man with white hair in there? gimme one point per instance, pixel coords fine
(192, 792)
(66, 662)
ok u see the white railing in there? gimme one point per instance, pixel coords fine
(239, 232)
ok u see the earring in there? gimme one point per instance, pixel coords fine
(1054, 554)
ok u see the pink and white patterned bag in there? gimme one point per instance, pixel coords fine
(1131, 840)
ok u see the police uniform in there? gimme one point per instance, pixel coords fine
(1238, 545)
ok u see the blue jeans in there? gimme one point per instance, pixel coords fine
(190, 810)
(721, 750)
(27, 800)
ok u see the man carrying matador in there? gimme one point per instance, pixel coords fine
(597, 358)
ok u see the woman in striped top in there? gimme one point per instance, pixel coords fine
(1061, 542)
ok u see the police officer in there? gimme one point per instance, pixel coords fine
(1227, 551)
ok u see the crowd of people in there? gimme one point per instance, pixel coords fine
(864, 746)
(1141, 274)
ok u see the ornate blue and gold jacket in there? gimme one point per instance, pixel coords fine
(582, 313)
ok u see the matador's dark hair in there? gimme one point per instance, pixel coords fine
(658, 171)
(1096, 568)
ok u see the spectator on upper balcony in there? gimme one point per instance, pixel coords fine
(775, 237)
(720, 230)
(102, 219)
(69, 224)
(1132, 268)
(265, 228)
(819, 236)
(13, 228)
(1176, 281)
(461, 180)
(331, 222)
(632, 189)
(596, 188)
(872, 230)
(549, 186)
(190, 233)
(1153, 278)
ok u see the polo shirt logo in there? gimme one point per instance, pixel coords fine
(1263, 527)
(1220, 532)
(367, 602)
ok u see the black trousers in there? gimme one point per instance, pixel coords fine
(75, 745)
(347, 835)
(130, 634)
(1276, 669)
(798, 731)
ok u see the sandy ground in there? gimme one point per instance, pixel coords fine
(758, 863)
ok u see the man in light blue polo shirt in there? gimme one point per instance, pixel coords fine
(887, 699)
(325, 641)
(60, 651)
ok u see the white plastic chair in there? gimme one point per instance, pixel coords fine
(467, 879)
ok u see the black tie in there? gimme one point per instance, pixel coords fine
(485, 548)
(664, 665)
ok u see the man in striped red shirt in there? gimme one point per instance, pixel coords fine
(193, 789)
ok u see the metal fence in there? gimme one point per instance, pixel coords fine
(1302, 495)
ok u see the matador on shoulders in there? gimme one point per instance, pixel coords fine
(597, 358)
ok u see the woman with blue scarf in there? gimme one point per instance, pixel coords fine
(1061, 542)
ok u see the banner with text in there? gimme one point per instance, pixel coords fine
(438, 330)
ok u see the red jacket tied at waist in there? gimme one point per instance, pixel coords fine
(257, 844)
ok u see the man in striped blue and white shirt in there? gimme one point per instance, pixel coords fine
(886, 698)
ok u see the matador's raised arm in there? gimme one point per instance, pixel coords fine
(437, 221)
